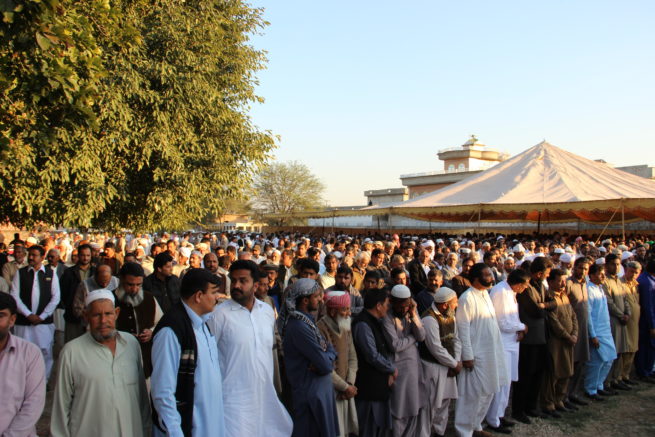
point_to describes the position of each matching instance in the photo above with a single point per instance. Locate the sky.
(364, 91)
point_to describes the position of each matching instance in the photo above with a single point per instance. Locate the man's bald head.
(103, 275)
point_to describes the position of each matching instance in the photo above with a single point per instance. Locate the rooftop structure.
(470, 158)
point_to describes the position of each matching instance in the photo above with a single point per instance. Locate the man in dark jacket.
(163, 284)
(533, 353)
(70, 280)
(376, 373)
(418, 270)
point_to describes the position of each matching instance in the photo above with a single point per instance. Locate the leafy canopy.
(127, 114)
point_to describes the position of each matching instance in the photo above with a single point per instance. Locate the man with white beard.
(483, 357)
(335, 327)
(440, 358)
(566, 264)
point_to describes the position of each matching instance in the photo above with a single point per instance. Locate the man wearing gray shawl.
(309, 361)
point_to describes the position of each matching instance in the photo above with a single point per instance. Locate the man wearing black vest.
(36, 291)
(376, 373)
(140, 311)
(187, 393)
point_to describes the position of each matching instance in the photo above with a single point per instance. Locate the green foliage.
(127, 114)
(284, 188)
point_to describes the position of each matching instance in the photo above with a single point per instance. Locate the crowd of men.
(239, 334)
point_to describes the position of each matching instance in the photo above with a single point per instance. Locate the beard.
(486, 284)
(343, 323)
(102, 338)
(132, 299)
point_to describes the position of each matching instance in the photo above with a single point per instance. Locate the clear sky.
(363, 91)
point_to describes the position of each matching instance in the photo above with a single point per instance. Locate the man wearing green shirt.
(101, 389)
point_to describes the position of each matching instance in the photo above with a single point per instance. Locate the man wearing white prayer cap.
(519, 253)
(101, 371)
(403, 327)
(566, 263)
(440, 359)
(184, 254)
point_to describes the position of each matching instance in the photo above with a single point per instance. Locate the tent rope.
(606, 225)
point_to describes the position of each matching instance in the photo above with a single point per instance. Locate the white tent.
(542, 184)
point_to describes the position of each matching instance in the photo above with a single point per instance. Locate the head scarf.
(302, 287)
(337, 299)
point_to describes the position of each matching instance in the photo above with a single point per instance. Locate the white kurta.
(42, 335)
(507, 314)
(481, 342)
(245, 342)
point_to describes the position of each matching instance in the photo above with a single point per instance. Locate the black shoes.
(608, 392)
(564, 409)
(535, 413)
(593, 397)
(630, 382)
(569, 406)
(552, 413)
(506, 422)
(500, 429)
(523, 418)
(577, 400)
(620, 386)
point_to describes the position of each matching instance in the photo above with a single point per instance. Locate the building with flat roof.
(470, 158)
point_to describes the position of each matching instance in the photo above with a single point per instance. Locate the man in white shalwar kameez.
(503, 296)
(244, 328)
(36, 291)
(440, 358)
(483, 357)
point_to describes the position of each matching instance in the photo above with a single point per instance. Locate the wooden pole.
(479, 218)
(623, 219)
(333, 222)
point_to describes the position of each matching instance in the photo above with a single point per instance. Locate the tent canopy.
(543, 183)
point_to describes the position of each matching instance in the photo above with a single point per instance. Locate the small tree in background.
(284, 188)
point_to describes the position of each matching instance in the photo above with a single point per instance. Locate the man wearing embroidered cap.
(404, 329)
(309, 361)
(440, 359)
(335, 327)
(101, 371)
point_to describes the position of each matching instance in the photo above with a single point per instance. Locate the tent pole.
(539, 224)
(623, 219)
(479, 218)
(333, 223)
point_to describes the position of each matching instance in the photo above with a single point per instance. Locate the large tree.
(283, 188)
(127, 114)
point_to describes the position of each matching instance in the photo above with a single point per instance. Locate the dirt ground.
(630, 414)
